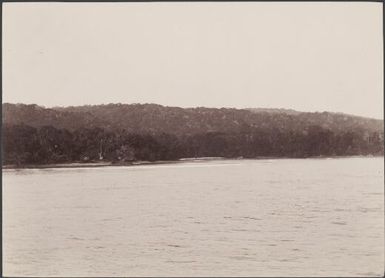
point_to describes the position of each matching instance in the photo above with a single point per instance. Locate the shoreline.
(181, 160)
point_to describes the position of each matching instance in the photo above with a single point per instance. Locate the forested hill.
(126, 132)
(152, 118)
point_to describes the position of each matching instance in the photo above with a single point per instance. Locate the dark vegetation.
(124, 133)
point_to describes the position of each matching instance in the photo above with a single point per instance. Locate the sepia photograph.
(192, 139)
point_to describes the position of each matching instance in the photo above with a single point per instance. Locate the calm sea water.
(284, 217)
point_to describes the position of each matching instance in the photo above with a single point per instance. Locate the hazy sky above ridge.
(304, 56)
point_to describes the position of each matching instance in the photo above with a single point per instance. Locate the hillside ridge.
(122, 133)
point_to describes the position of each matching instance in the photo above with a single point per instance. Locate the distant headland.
(129, 133)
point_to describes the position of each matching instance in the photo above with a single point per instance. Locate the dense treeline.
(154, 119)
(23, 144)
(122, 133)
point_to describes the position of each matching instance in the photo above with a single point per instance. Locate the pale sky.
(304, 56)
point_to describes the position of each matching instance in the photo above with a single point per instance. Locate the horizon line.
(195, 107)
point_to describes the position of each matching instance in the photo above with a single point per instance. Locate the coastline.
(181, 160)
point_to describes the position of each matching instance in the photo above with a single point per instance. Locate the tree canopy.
(122, 133)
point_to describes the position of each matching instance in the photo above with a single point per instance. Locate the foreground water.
(284, 217)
